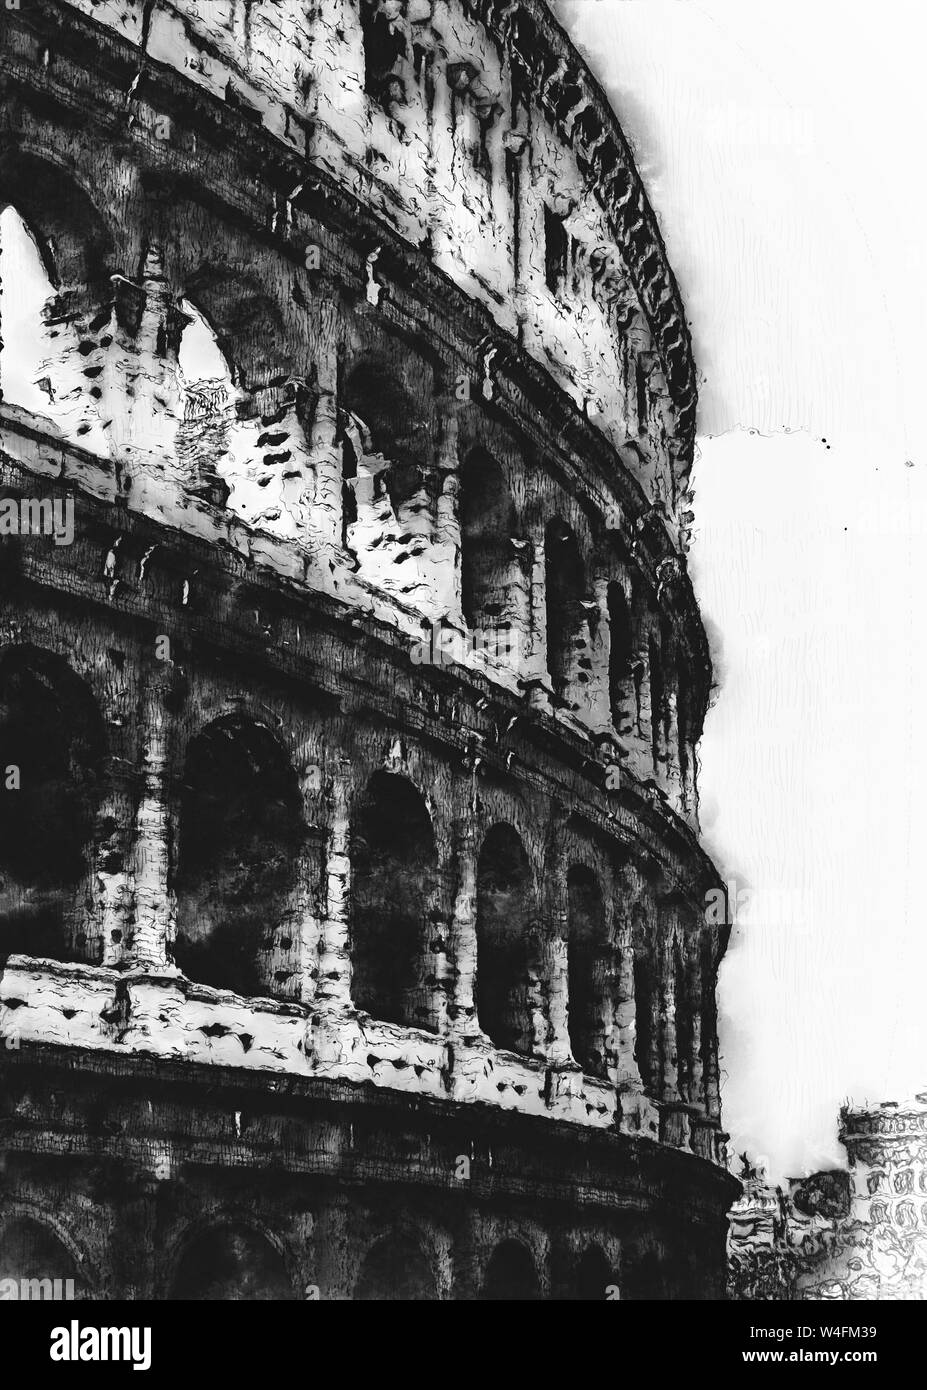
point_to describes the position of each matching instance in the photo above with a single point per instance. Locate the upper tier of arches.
(395, 474)
(474, 127)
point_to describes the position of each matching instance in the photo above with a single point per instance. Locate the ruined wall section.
(466, 149)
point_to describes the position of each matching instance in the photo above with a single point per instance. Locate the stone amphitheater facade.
(353, 939)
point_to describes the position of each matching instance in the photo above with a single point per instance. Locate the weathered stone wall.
(299, 796)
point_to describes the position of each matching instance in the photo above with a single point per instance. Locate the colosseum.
(353, 940)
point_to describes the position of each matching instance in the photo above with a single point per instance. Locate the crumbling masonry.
(352, 913)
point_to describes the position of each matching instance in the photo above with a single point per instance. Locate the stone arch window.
(386, 55)
(503, 922)
(52, 747)
(593, 1277)
(511, 1274)
(205, 434)
(588, 971)
(43, 366)
(395, 1269)
(489, 566)
(621, 689)
(394, 435)
(565, 581)
(394, 871)
(877, 1181)
(30, 1251)
(232, 1263)
(241, 831)
(556, 251)
(878, 1212)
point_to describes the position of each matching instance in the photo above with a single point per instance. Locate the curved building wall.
(357, 700)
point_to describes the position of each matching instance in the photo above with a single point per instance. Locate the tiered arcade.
(352, 915)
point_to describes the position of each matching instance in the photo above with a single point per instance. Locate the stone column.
(334, 983)
(462, 1018)
(669, 1057)
(307, 921)
(712, 1070)
(534, 667)
(111, 884)
(636, 1113)
(674, 1117)
(324, 448)
(155, 907)
(554, 952)
(598, 692)
(447, 520)
(696, 1004)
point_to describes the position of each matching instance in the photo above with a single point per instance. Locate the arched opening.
(588, 971)
(511, 1275)
(43, 368)
(56, 258)
(565, 581)
(207, 433)
(234, 1264)
(394, 866)
(503, 922)
(52, 746)
(620, 659)
(593, 1277)
(32, 1255)
(489, 567)
(241, 830)
(395, 1270)
(385, 51)
(397, 430)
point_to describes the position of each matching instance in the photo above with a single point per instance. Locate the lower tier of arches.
(152, 1183)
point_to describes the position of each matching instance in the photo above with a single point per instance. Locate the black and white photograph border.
(419, 811)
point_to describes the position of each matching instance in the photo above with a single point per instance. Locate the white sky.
(782, 145)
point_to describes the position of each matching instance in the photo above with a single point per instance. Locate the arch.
(588, 967)
(246, 321)
(593, 1278)
(394, 868)
(44, 368)
(209, 434)
(52, 746)
(489, 568)
(74, 241)
(565, 588)
(241, 830)
(396, 427)
(231, 1262)
(31, 1251)
(395, 1269)
(504, 918)
(511, 1275)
